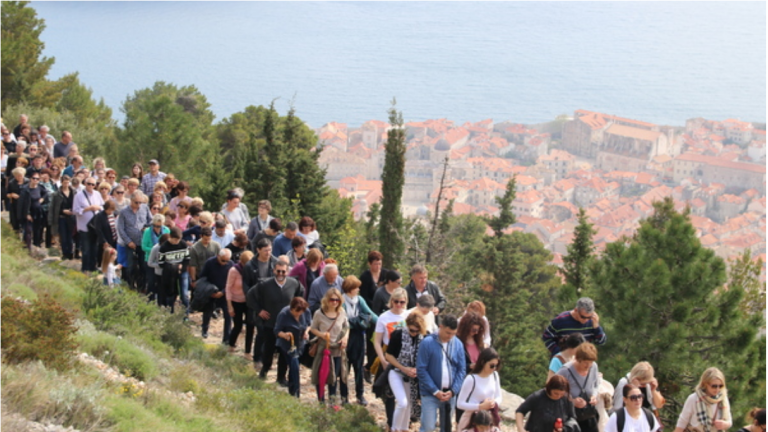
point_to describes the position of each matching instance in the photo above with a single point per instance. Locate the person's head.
(481, 421)
(45, 175)
(314, 257)
(90, 184)
(642, 372)
(19, 173)
(109, 206)
(298, 306)
(448, 326)
(224, 256)
(299, 245)
(158, 197)
(158, 221)
(104, 188)
(99, 163)
(206, 219)
(398, 300)
(557, 387)
(471, 328)
(290, 230)
(20, 146)
(66, 137)
(351, 286)
(65, 181)
(280, 271)
(182, 207)
(240, 240)
(182, 188)
(415, 324)
(585, 355)
(160, 187)
(306, 225)
(712, 381)
(633, 396)
(275, 224)
(170, 217)
(221, 227)
(163, 238)
(154, 166)
(133, 185)
(331, 300)
(206, 235)
(111, 175)
(137, 199)
(22, 162)
(118, 192)
(477, 307)
(175, 235)
(758, 418)
(374, 261)
(109, 256)
(23, 119)
(170, 181)
(245, 257)
(264, 249)
(331, 272)
(419, 277)
(34, 180)
(487, 362)
(74, 151)
(233, 199)
(572, 342)
(264, 207)
(583, 310)
(137, 170)
(393, 280)
(77, 161)
(425, 303)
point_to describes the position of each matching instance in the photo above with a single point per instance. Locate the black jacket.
(268, 295)
(432, 289)
(251, 272)
(25, 201)
(103, 230)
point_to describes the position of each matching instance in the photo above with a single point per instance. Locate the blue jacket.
(429, 365)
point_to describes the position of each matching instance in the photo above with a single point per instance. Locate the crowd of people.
(275, 278)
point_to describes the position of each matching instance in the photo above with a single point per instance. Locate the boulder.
(509, 404)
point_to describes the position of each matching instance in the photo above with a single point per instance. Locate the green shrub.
(126, 356)
(38, 330)
(121, 311)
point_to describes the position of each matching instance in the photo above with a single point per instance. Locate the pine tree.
(506, 217)
(393, 179)
(662, 299)
(576, 264)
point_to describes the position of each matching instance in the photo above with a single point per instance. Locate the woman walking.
(360, 317)
(402, 351)
(481, 390)
(707, 409)
(331, 328)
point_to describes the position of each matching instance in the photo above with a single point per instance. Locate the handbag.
(313, 348)
(589, 411)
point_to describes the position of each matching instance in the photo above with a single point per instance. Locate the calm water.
(525, 62)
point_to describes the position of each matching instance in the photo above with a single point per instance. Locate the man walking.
(582, 319)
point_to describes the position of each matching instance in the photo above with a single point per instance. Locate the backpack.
(319, 246)
(621, 418)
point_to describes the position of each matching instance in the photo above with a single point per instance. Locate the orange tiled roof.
(715, 161)
(630, 132)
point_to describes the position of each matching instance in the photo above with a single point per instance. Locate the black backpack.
(621, 418)
(319, 246)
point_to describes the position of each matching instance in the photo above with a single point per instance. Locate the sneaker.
(361, 401)
(205, 335)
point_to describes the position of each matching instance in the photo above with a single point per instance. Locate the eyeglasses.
(334, 300)
(90, 184)
(493, 365)
(155, 209)
(398, 301)
(282, 272)
(138, 202)
(35, 178)
(717, 386)
(119, 192)
(635, 398)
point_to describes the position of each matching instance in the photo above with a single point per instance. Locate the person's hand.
(654, 384)
(179, 267)
(306, 335)
(217, 295)
(487, 404)
(579, 403)
(384, 363)
(193, 283)
(264, 314)
(720, 425)
(327, 337)
(232, 313)
(285, 336)
(593, 400)
(132, 245)
(106, 245)
(67, 212)
(595, 320)
(436, 311)
(29, 218)
(344, 343)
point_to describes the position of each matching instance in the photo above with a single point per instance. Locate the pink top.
(234, 288)
(472, 350)
(182, 223)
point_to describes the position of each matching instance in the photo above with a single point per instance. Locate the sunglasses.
(635, 398)
(35, 178)
(585, 317)
(155, 209)
(413, 330)
(398, 301)
(90, 184)
(493, 365)
(335, 300)
(717, 386)
(181, 206)
(105, 188)
(119, 192)
(138, 202)
(282, 272)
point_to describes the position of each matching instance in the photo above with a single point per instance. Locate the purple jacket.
(299, 271)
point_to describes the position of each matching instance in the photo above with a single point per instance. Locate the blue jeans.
(65, 237)
(430, 406)
(88, 250)
(184, 284)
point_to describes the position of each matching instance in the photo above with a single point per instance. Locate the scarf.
(352, 305)
(703, 402)
(409, 350)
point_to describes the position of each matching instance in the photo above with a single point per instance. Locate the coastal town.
(613, 167)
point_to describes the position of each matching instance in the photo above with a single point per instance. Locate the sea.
(526, 62)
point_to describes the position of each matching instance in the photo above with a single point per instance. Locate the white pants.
(402, 392)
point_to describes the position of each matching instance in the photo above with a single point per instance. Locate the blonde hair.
(350, 283)
(642, 371)
(245, 257)
(105, 185)
(398, 294)
(325, 302)
(314, 256)
(106, 258)
(710, 375)
(415, 318)
(197, 201)
(586, 352)
(206, 217)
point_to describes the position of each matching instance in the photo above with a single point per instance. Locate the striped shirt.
(564, 325)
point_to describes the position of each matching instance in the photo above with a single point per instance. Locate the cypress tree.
(576, 264)
(506, 217)
(662, 299)
(393, 178)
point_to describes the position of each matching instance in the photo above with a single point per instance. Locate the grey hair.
(158, 219)
(225, 253)
(139, 196)
(426, 300)
(44, 127)
(23, 145)
(49, 138)
(330, 267)
(586, 304)
(239, 191)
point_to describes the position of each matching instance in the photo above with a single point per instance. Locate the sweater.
(545, 411)
(234, 288)
(270, 296)
(564, 325)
